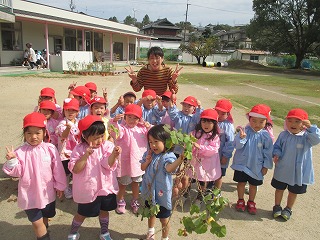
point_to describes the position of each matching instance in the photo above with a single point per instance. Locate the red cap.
(149, 92)
(35, 119)
(297, 113)
(191, 101)
(71, 103)
(133, 109)
(261, 111)
(98, 100)
(209, 114)
(223, 105)
(82, 91)
(87, 121)
(47, 104)
(47, 92)
(167, 94)
(91, 86)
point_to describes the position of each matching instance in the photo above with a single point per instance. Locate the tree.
(188, 26)
(146, 20)
(290, 26)
(129, 20)
(200, 47)
(113, 19)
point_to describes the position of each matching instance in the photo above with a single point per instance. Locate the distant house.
(58, 30)
(234, 39)
(250, 55)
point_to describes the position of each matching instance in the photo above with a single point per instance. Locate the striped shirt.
(159, 81)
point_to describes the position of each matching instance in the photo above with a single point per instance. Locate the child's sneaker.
(135, 206)
(121, 208)
(105, 236)
(74, 236)
(251, 207)
(241, 205)
(277, 209)
(150, 236)
(286, 213)
(68, 193)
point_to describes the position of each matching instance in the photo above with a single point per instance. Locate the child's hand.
(306, 123)
(117, 150)
(131, 74)
(89, 150)
(10, 153)
(159, 100)
(105, 94)
(149, 157)
(59, 194)
(242, 133)
(118, 117)
(264, 171)
(72, 86)
(223, 160)
(275, 159)
(196, 145)
(199, 103)
(121, 100)
(176, 73)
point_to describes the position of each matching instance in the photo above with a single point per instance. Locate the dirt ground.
(19, 96)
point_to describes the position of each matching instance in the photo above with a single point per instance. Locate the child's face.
(294, 125)
(42, 98)
(46, 112)
(96, 140)
(128, 100)
(131, 120)
(70, 114)
(222, 115)
(187, 108)
(206, 125)
(156, 145)
(165, 102)
(257, 123)
(34, 135)
(82, 102)
(155, 62)
(93, 93)
(149, 103)
(98, 109)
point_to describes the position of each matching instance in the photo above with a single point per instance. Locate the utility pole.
(185, 22)
(134, 14)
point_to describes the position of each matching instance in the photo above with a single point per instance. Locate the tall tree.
(200, 47)
(188, 26)
(113, 19)
(146, 20)
(290, 26)
(129, 20)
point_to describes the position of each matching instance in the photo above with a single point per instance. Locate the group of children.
(104, 155)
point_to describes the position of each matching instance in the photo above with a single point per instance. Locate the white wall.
(60, 63)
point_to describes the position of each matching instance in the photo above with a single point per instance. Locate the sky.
(200, 13)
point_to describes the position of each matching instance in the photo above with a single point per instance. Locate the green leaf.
(194, 209)
(180, 136)
(187, 139)
(189, 146)
(201, 229)
(166, 127)
(188, 224)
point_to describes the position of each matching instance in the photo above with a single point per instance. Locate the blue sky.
(232, 12)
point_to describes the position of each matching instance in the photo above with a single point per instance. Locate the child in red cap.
(83, 95)
(152, 109)
(49, 95)
(226, 135)
(132, 138)
(47, 108)
(253, 156)
(165, 101)
(68, 136)
(292, 155)
(38, 166)
(205, 154)
(93, 163)
(123, 101)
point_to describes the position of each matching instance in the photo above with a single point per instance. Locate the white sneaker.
(68, 193)
(75, 236)
(105, 236)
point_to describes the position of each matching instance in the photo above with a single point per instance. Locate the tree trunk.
(198, 59)
(299, 58)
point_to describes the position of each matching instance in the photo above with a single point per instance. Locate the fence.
(290, 60)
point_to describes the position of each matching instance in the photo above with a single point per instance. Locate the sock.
(104, 223)
(75, 226)
(166, 238)
(44, 237)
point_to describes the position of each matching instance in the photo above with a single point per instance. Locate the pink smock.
(40, 174)
(206, 160)
(97, 178)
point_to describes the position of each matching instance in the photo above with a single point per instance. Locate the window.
(254, 58)
(98, 42)
(70, 39)
(11, 36)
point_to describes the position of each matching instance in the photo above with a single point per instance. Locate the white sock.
(151, 230)
(166, 238)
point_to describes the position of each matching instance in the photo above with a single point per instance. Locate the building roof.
(42, 13)
(161, 23)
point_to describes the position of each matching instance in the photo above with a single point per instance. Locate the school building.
(58, 30)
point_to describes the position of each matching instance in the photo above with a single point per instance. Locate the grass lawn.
(292, 86)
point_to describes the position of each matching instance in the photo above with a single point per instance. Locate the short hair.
(96, 128)
(157, 51)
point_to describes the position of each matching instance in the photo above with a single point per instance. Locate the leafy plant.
(147, 212)
(200, 221)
